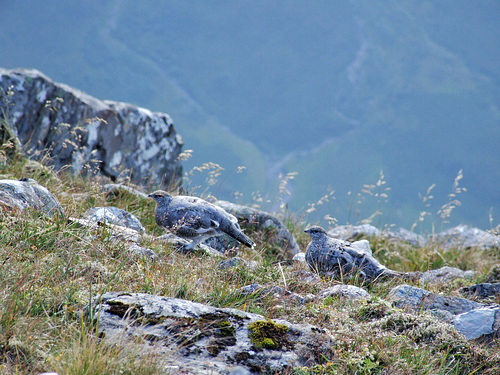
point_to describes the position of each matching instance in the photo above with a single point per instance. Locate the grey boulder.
(410, 297)
(444, 275)
(472, 319)
(482, 323)
(19, 195)
(199, 339)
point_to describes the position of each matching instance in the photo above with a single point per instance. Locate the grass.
(51, 269)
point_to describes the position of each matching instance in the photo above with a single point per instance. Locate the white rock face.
(92, 136)
(196, 338)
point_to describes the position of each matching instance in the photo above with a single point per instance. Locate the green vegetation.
(52, 268)
(268, 334)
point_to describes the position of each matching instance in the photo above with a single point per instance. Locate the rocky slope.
(69, 128)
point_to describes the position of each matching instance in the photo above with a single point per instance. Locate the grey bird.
(196, 219)
(322, 253)
(326, 254)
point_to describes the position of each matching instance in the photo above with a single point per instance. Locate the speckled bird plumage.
(196, 219)
(321, 250)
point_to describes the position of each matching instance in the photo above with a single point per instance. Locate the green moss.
(267, 334)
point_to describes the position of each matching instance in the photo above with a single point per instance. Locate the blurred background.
(369, 103)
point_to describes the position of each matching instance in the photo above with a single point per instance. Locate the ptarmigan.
(322, 253)
(325, 254)
(196, 219)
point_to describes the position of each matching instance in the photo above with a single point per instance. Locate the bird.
(324, 253)
(328, 255)
(196, 219)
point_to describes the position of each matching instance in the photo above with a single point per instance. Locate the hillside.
(336, 91)
(84, 295)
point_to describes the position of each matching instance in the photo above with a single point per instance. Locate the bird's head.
(315, 231)
(160, 196)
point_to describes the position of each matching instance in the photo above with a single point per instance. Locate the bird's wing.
(191, 219)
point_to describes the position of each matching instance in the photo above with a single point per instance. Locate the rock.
(129, 237)
(8, 134)
(260, 220)
(299, 257)
(114, 215)
(481, 323)
(362, 246)
(90, 135)
(224, 244)
(240, 371)
(27, 193)
(180, 244)
(404, 235)
(195, 338)
(344, 291)
(118, 232)
(464, 237)
(417, 299)
(236, 262)
(141, 251)
(444, 275)
(352, 232)
(481, 291)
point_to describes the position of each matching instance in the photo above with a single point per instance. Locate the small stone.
(114, 215)
(444, 275)
(299, 257)
(478, 322)
(344, 291)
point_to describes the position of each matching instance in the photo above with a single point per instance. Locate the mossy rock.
(267, 334)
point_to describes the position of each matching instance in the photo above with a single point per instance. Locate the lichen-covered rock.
(237, 262)
(19, 195)
(129, 237)
(90, 135)
(351, 292)
(117, 232)
(306, 276)
(406, 296)
(180, 244)
(260, 220)
(404, 235)
(114, 215)
(199, 339)
(473, 319)
(444, 275)
(464, 237)
(353, 232)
